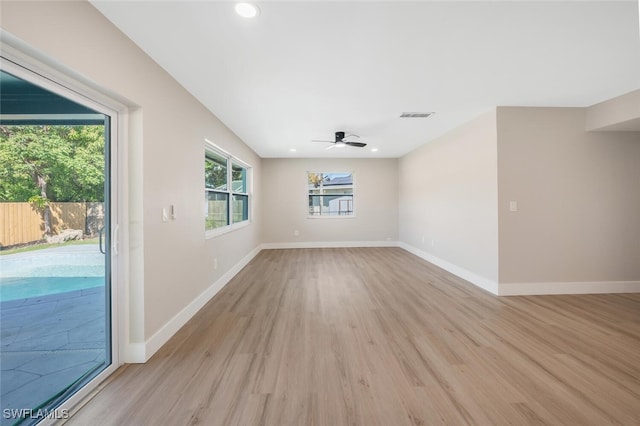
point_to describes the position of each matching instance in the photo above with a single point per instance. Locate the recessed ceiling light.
(292, 149)
(374, 149)
(247, 10)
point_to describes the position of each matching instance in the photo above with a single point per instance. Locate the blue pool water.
(27, 287)
(50, 271)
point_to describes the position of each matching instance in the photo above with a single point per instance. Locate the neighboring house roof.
(236, 186)
(341, 180)
(338, 181)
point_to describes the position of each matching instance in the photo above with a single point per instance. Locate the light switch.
(513, 206)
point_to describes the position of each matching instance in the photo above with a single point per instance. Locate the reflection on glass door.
(54, 250)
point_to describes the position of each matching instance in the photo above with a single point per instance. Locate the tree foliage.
(215, 172)
(317, 179)
(51, 163)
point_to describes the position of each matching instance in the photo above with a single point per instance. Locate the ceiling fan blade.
(340, 141)
(357, 144)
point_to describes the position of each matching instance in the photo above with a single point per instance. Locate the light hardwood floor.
(377, 336)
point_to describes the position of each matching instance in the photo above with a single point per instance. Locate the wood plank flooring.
(377, 336)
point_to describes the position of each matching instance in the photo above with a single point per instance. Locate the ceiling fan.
(340, 141)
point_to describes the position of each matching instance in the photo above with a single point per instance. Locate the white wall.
(448, 201)
(578, 196)
(171, 261)
(285, 206)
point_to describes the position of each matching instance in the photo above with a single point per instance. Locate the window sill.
(212, 233)
(352, 216)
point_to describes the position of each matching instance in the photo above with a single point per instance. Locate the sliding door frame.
(17, 60)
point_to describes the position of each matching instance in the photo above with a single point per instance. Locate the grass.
(35, 247)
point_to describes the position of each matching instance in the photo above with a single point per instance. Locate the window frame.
(353, 196)
(231, 161)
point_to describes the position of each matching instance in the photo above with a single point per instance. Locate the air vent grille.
(416, 114)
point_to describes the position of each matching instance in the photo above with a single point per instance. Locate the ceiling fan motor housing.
(339, 136)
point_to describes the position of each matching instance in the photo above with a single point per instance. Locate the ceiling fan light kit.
(340, 142)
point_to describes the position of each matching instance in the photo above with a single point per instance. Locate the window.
(330, 194)
(239, 192)
(226, 189)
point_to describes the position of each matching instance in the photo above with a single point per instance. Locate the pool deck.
(48, 342)
(72, 248)
(80, 254)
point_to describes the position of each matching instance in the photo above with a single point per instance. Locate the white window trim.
(232, 159)
(353, 186)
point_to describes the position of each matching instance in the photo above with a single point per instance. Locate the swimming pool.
(44, 272)
(25, 288)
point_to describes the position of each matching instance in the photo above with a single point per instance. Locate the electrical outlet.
(296, 233)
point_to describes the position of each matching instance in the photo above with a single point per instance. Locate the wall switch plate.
(296, 233)
(165, 216)
(513, 206)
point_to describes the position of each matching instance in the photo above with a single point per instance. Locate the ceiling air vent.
(416, 114)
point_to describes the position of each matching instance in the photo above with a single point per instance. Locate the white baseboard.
(141, 352)
(473, 278)
(583, 287)
(329, 244)
(135, 353)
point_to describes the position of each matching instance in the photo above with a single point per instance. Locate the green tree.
(41, 164)
(215, 172)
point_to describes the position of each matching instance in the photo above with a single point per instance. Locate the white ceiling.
(303, 70)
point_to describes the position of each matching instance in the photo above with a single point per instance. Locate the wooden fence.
(22, 223)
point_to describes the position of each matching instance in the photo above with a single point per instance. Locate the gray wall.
(577, 224)
(620, 113)
(448, 198)
(578, 196)
(284, 183)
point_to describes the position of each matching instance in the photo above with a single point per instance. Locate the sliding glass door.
(56, 226)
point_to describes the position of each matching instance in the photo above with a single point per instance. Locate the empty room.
(319, 212)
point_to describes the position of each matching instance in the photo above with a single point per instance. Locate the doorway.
(57, 251)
